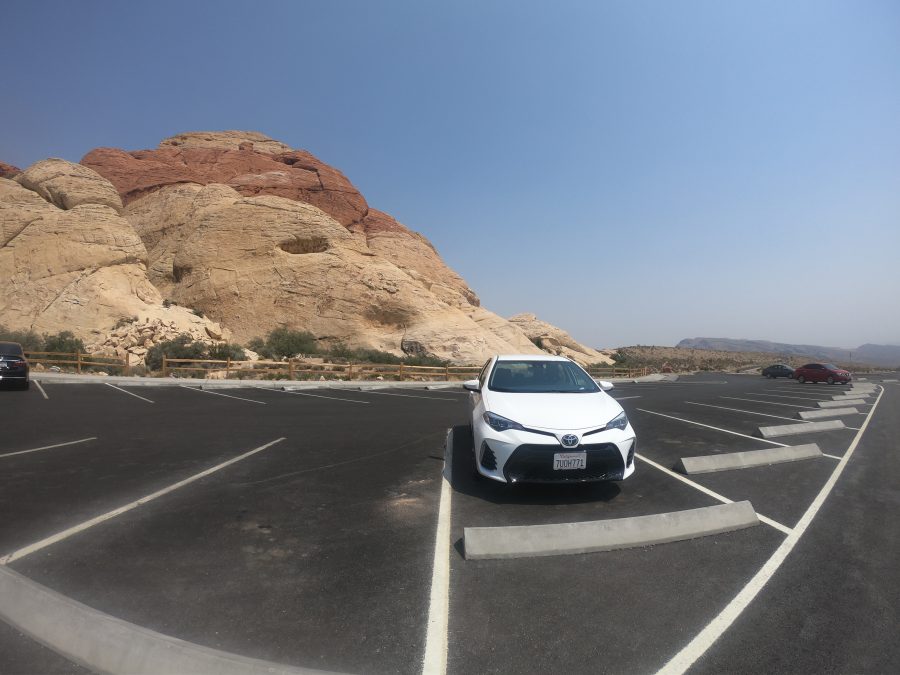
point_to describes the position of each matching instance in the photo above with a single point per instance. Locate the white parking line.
(749, 412)
(435, 660)
(798, 398)
(48, 447)
(624, 398)
(330, 398)
(384, 393)
(65, 534)
(215, 393)
(43, 393)
(127, 392)
(727, 431)
(789, 405)
(831, 456)
(715, 495)
(714, 630)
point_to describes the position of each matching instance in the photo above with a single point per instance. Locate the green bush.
(64, 341)
(225, 350)
(29, 340)
(182, 347)
(284, 342)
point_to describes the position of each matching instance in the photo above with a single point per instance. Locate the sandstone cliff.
(556, 341)
(79, 266)
(250, 232)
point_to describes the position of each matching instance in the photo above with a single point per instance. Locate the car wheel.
(801, 379)
(25, 385)
(830, 380)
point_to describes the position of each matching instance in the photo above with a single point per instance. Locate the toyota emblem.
(569, 440)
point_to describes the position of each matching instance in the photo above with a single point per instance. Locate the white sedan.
(543, 419)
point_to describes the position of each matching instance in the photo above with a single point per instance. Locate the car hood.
(554, 411)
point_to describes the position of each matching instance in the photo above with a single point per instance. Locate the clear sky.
(634, 172)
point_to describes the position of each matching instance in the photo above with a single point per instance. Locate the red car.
(822, 372)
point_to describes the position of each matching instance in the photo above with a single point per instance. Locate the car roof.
(530, 357)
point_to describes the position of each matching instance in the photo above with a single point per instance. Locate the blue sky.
(634, 172)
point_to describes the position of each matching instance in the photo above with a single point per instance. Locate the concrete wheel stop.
(525, 541)
(106, 644)
(748, 459)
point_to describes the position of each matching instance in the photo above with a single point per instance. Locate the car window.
(11, 349)
(532, 377)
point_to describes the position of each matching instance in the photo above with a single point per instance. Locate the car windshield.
(537, 377)
(831, 366)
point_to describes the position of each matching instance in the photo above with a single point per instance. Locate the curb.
(842, 403)
(747, 459)
(525, 541)
(828, 412)
(791, 429)
(106, 644)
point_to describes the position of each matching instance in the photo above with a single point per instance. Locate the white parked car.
(543, 419)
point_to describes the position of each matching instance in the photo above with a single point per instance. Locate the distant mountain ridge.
(876, 355)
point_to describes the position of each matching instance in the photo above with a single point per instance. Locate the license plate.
(568, 461)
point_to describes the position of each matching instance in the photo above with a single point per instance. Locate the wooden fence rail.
(295, 367)
(80, 360)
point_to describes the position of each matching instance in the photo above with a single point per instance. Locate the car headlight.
(500, 423)
(620, 421)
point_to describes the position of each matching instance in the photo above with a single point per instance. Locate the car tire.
(25, 385)
(830, 380)
(801, 379)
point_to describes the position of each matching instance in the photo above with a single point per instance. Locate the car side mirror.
(472, 385)
(605, 386)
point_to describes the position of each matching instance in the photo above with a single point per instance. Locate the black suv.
(778, 370)
(13, 365)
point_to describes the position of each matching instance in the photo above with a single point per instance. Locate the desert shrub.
(284, 342)
(64, 341)
(225, 350)
(29, 340)
(182, 347)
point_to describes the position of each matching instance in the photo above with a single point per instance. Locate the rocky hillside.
(244, 230)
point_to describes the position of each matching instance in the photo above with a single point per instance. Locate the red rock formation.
(255, 165)
(8, 170)
(295, 175)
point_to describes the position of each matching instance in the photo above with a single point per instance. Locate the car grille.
(534, 464)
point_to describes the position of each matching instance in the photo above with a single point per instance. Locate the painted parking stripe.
(434, 661)
(798, 398)
(127, 392)
(727, 431)
(330, 398)
(43, 393)
(384, 393)
(715, 495)
(721, 623)
(48, 447)
(65, 534)
(754, 400)
(749, 412)
(831, 456)
(215, 393)
(624, 398)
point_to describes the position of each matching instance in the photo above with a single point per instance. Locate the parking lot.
(299, 527)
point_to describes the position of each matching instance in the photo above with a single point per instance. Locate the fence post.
(78, 354)
(127, 363)
(447, 373)
(290, 369)
(228, 367)
(401, 372)
(350, 372)
(165, 366)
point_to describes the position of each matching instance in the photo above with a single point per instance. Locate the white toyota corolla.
(543, 419)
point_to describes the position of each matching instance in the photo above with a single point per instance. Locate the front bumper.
(527, 457)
